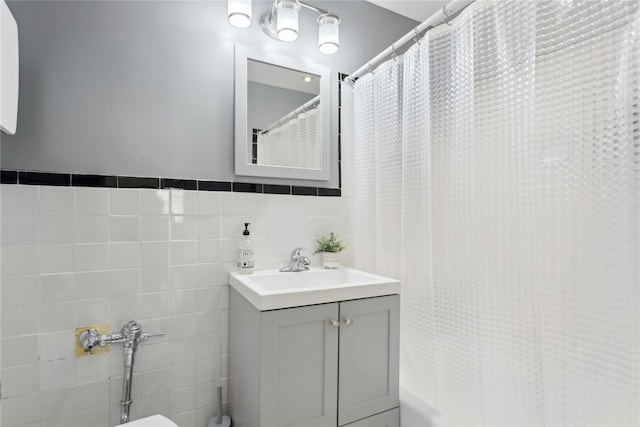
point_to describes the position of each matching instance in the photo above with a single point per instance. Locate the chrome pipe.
(127, 380)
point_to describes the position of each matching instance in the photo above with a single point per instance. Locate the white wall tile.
(21, 350)
(92, 201)
(92, 368)
(125, 202)
(209, 203)
(92, 257)
(184, 202)
(56, 258)
(91, 311)
(209, 275)
(124, 282)
(57, 345)
(57, 201)
(183, 277)
(124, 228)
(157, 404)
(152, 354)
(56, 229)
(19, 290)
(230, 250)
(155, 382)
(209, 252)
(183, 227)
(182, 351)
(19, 260)
(206, 394)
(183, 326)
(183, 375)
(155, 279)
(57, 374)
(19, 320)
(206, 299)
(92, 284)
(155, 202)
(233, 204)
(155, 228)
(208, 227)
(183, 400)
(124, 255)
(208, 322)
(155, 254)
(20, 380)
(57, 317)
(20, 410)
(92, 395)
(56, 403)
(57, 287)
(92, 229)
(154, 305)
(19, 199)
(207, 370)
(19, 230)
(183, 252)
(183, 301)
(204, 414)
(208, 346)
(124, 308)
(231, 227)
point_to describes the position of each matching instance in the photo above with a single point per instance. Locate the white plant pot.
(330, 259)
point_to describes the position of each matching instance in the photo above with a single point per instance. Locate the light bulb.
(239, 13)
(287, 20)
(328, 33)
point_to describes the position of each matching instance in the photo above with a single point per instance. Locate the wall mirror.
(282, 116)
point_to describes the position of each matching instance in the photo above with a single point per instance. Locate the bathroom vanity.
(332, 362)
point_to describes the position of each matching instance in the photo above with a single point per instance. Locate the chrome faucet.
(298, 262)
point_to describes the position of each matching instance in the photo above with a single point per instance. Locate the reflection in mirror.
(282, 117)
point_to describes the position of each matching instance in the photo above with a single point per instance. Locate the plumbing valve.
(131, 334)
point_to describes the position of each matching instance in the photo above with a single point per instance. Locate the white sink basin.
(271, 289)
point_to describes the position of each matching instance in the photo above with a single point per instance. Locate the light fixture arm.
(314, 8)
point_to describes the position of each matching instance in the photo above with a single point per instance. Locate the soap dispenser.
(245, 252)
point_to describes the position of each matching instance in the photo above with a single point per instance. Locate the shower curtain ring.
(447, 16)
(393, 53)
(370, 69)
(416, 39)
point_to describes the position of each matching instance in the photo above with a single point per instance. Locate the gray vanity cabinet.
(321, 365)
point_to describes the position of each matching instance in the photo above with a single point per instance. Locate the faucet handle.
(297, 252)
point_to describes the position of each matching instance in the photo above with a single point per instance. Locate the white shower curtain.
(495, 170)
(293, 144)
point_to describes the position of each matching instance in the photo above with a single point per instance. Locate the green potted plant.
(330, 246)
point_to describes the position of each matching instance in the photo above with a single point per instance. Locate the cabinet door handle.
(334, 323)
(348, 321)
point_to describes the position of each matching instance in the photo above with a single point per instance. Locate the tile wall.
(76, 256)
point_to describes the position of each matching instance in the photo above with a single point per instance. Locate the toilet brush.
(220, 420)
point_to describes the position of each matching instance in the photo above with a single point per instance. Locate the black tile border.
(44, 178)
(304, 191)
(112, 181)
(214, 186)
(108, 181)
(183, 184)
(276, 189)
(8, 177)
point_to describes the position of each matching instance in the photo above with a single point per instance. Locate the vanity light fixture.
(239, 13)
(281, 23)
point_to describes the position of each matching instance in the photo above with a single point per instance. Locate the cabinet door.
(368, 359)
(299, 366)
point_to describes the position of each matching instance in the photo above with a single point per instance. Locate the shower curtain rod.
(441, 16)
(292, 114)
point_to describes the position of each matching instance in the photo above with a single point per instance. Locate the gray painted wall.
(145, 88)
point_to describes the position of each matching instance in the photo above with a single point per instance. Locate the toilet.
(152, 421)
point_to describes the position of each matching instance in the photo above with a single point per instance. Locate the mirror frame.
(242, 166)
